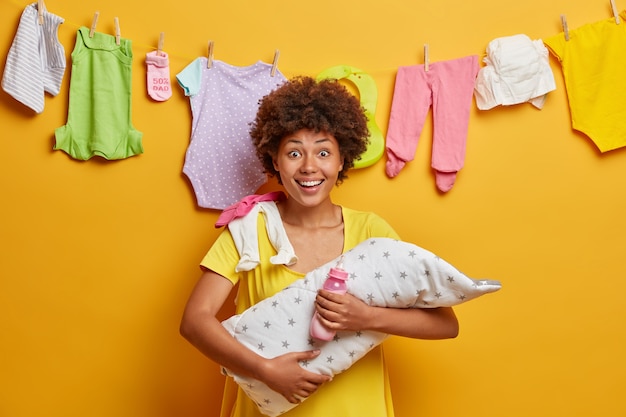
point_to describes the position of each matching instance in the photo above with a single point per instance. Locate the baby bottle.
(335, 282)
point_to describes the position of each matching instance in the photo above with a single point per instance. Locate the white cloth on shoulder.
(244, 233)
(384, 272)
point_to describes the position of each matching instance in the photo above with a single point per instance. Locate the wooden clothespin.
(117, 31)
(615, 13)
(209, 62)
(94, 22)
(160, 45)
(275, 63)
(565, 29)
(40, 8)
(426, 58)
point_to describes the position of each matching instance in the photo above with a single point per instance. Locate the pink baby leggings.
(448, 87)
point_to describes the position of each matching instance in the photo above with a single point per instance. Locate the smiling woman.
(324, 106)
(307, 134)
(99, 257)
(307, 162)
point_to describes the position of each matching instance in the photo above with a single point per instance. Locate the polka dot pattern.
(220, 161)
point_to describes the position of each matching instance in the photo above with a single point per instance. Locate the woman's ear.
(275, 163)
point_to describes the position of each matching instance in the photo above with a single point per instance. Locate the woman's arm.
(202, 329)
(346, 312)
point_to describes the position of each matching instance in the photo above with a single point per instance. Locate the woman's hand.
(342, 311)
(284, 375)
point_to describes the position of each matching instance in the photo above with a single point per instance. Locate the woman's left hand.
(342, 311)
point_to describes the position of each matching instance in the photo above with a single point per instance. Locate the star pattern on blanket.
(382, 272)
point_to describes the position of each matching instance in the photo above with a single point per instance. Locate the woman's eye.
(324, 153)
(294, 154)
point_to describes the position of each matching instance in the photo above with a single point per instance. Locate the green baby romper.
(99, 115)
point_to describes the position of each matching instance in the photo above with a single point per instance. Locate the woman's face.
(308, 163)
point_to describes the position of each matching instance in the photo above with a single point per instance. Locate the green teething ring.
(368, 94)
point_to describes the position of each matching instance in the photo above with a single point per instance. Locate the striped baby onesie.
(36, 60)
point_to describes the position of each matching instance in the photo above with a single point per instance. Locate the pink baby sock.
(445, 180)
(394, 165)
(158, 70)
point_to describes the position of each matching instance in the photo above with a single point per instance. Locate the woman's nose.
(309, 164)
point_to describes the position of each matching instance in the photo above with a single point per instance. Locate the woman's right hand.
(284, 375)
(201, 327)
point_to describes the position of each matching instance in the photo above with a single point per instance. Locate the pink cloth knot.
(243, 206)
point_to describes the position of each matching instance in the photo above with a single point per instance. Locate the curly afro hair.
(320, 106)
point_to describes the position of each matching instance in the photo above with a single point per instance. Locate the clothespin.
(117, 31)
(160, 46)
(209, 62)
(426, 58)
(40, 8)
(275, 63)
(565, 29)
(94, 22)
(615, 13)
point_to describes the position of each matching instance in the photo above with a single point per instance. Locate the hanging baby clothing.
(158, 75)
(36, 60)
(221, 161)
(517, 71)
(99, 115)
(448, 87)
(593, 61)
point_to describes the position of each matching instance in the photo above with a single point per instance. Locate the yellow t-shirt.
(362, 390)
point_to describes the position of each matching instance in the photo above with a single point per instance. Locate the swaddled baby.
(384, 272)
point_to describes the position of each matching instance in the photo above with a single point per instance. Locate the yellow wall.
(98, 257)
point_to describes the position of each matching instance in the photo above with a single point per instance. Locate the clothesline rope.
(186, 58)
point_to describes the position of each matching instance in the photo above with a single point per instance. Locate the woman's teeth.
(309, 183)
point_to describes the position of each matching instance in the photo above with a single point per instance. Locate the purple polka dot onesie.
(221, 162)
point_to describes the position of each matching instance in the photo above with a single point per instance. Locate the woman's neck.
(316, 233)
(323, 215)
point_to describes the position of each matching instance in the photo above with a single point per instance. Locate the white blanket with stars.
(384, 272)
